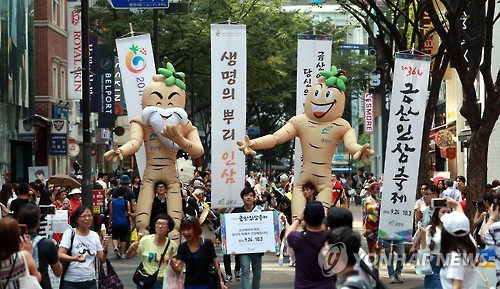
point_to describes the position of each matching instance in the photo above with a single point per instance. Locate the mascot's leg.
(144, 205)
(174, 209)
(298, 201)
(325, 196)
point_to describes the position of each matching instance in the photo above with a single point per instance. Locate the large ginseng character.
(164, 128)
(320, 128)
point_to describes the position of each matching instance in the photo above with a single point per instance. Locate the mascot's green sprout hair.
(334, 77)
(173, 78)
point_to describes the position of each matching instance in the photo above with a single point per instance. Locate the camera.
(477, 203)
(438, 203)
(47, 210)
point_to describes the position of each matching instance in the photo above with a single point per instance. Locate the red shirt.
(337, 189)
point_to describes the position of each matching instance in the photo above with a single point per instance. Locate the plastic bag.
(423, 266)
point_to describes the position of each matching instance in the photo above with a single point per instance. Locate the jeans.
(158, 285)
(399, 247)
(433, 281)
(256, 260)
(80, 285)
(227, 264)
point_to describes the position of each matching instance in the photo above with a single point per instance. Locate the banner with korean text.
(137, 67)
(255, 232)
(314, 54)
(229, 78)
(75, 53)
(404, 138)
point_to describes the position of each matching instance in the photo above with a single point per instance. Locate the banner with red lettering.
(229, 63)
(74, 51)
(314, 54)
(404, 139)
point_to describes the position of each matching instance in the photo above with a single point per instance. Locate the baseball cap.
(456, 223)
(314, 211)
(337, 217)
(125, 179)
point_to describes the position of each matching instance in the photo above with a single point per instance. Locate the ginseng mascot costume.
(164, 128)
(320, 128)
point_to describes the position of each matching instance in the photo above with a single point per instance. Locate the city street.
(274, 276)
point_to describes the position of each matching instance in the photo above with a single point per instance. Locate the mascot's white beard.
(159, 117)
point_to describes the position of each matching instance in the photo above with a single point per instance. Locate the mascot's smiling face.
(324, 103)
(159, 94)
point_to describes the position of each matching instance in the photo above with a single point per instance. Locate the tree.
(470, 50)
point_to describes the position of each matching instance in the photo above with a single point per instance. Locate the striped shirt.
(492, 238)
(15, 264)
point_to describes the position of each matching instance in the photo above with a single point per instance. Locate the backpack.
(35, 248)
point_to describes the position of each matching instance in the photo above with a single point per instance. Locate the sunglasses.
(189, 218)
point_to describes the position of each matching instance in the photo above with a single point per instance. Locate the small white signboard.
(255, 232)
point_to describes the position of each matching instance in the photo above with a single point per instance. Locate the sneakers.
(228, 278)
(117, 252)
(399, 279)
(393, 279)
(237, 275)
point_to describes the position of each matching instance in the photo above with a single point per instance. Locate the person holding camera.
(481, 217)
(490, 233)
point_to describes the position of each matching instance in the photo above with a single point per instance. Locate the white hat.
(75, 191)
(283, 178)
(456, 223)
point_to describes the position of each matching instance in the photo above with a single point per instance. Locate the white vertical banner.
(137, 67)
(75, 52)
(314, 54)
(229, 77)
(404, 139)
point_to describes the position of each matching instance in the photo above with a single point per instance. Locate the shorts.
(120, 232)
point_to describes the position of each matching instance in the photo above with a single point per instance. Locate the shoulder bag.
(28, 281)
(65, 265)
(142, 278)
(109, 279)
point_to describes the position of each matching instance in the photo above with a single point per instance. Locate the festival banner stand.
(404, 138)
(314, 53)
(229, 65)
(255, 232)
(137, 66)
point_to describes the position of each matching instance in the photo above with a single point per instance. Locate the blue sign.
(142, 4)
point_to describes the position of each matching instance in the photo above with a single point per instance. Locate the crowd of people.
(441, 231)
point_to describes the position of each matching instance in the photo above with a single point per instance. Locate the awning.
(37, 120)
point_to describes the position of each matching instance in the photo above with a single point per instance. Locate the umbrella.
(64, 180)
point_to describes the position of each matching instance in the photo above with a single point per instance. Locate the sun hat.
(75, 191)
(456, 223)
(125, 179)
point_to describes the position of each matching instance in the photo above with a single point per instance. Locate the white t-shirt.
(436, 238)
(102, 183)
(455, 270)
(82, 245)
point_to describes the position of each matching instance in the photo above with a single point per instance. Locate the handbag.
(142, 278)
(423, 266)
(172, 280)
(28, 281)
(65, 265)
(215, 281)
(109, 279)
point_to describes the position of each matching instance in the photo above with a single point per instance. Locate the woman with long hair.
(15, 255)
(432, 240)
(197, 254)
(80, 247)
(441, 186)
(155, 248)
(458, 249)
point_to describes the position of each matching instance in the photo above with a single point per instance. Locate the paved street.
(274, 276)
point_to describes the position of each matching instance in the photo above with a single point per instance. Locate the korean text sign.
(229, 62)
(314, 54)
(404, 137)
(255, 232)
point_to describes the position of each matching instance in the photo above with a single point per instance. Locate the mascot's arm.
(136, 138)
(186, 138)
(356, 150)
(286, 133)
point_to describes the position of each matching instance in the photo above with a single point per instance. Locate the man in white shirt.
(250, 179)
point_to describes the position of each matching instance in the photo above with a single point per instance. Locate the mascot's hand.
(174, 133)
(365, 153)
(114, 154)
(245, 146)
